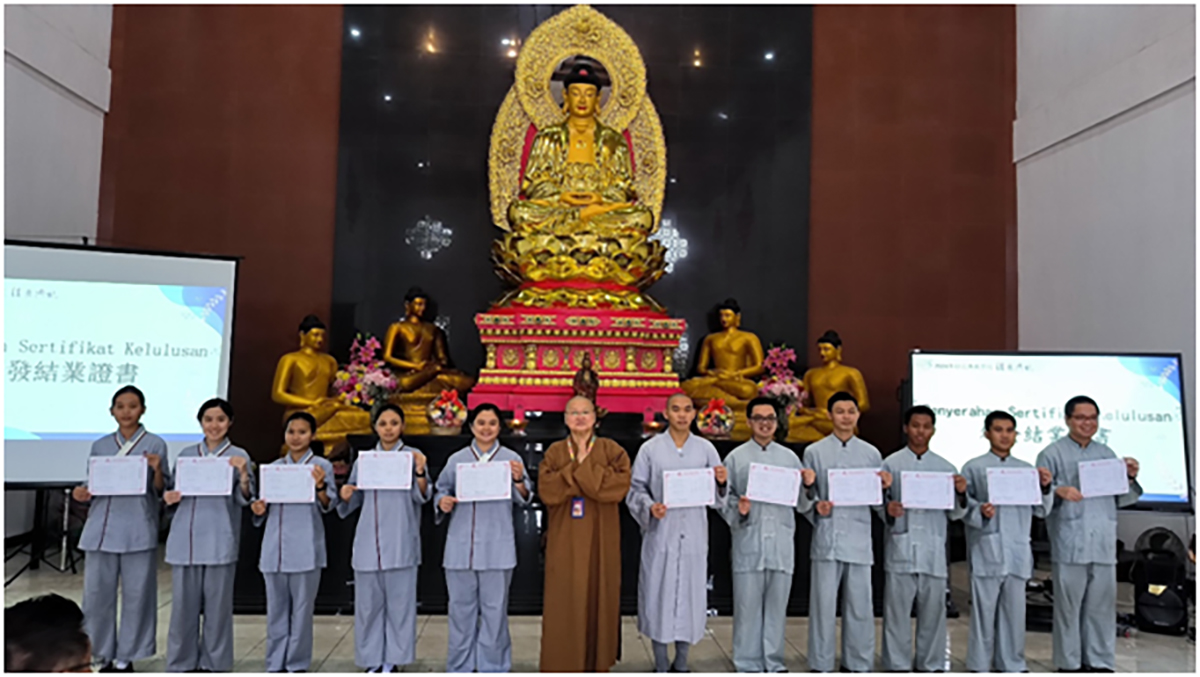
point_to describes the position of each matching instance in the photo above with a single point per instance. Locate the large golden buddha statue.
(303, 381)
(415, 349)
(820, 383)
(577, 183)
(729, 362)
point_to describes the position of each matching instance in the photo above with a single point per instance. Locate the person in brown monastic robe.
(582, 480)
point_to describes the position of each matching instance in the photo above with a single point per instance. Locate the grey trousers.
(478, 620)
(858, 616)
(1085, 616)
(137, 574)
(997, 636)
(290, 600)
(759, 618)
(385, 617)
(899, 593)
(201, 590)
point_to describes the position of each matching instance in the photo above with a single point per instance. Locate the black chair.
(1159, 577)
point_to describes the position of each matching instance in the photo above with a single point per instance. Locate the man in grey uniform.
(1000, 555)
(915, 554)
(764, 547)
(1083, 545)
(672, 599)
(841, 545)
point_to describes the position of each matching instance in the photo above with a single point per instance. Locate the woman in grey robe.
(202, 550)
(293, 553)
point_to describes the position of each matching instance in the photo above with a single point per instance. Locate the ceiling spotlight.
(354, 33)
(672, 179)
(696, 63)
(769, 56)
(512, 54)
(506, 42)
(387, 97)
(429, 47)
(722, 115)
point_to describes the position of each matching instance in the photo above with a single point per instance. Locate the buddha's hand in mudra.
(580, 198)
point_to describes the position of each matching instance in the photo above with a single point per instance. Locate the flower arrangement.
(781, 382)
(716, 419)
(365, 381)
(447, 411)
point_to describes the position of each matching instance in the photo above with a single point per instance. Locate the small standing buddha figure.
(730, 360)
(302, 383)
(820, 383)
(416, 351)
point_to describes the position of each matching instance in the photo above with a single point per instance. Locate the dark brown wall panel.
(222, 138)
(913, 220)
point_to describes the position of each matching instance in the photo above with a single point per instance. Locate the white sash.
(482, 457)
(204, 445)
(307, 457)
(132, 442)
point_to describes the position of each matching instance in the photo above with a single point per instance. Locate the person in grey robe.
(293, 553)
(120, 538)
(202, 550)
(841, 552)
(672, 595)
(764, 547)
(999, 554)
(1083, 545)
(387, 552)
(481, 552)
(915, 554)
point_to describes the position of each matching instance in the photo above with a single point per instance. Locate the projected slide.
(1141, 411)
(68, 345)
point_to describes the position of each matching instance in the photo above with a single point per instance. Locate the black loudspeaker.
(1160, 587)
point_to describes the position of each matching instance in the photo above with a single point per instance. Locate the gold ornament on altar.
(303, 382)
(820, 383)
(415, 349)
(730, 361)
(578, 185)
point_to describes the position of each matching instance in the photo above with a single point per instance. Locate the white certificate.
(287, 484)
(1014, 486)
(689, 488)
(773, 484)
(203, 476)
(117, 475)
(385, 470)
(855, 486)
(1103, 478)
(927, 490)
(490, 481)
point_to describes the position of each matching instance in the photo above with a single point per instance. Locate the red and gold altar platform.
(534, 353)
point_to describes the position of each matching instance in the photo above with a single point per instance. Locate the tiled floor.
(333, 649)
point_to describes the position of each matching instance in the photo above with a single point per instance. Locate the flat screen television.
(1140, 396)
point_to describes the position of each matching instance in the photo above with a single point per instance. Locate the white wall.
(56, 94)
(1104, 145)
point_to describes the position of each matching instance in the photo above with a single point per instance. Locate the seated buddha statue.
(820, 383)
(730, 360)
(415, 349)
(302, 383)
(577, 215)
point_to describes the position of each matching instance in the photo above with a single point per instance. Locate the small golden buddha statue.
(415, 349)
(810, 424)
(302, 383)
(578, 216)
(736, 359)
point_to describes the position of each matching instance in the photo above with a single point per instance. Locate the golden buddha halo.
(578, 31)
